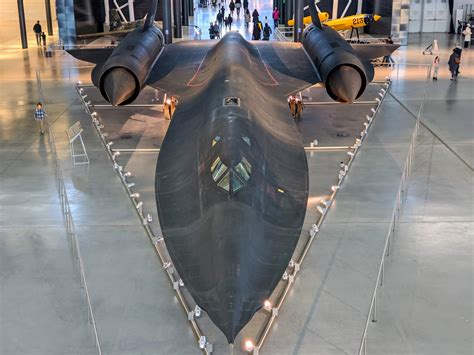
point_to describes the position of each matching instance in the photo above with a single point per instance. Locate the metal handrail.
(372, 313)
(70, 229)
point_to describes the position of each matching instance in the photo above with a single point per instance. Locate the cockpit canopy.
(231, 178)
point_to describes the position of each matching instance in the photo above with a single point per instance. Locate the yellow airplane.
(352, 23)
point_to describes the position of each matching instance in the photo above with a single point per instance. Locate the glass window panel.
(242, 171)
(216, 140)
(246, 140)
(237, 184)
(214, 164)
(220, 170)
(247, 165)
(224, 183)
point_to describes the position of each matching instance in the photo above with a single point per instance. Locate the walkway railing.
(70, 229)
(401, 193)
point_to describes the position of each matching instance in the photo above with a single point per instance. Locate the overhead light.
(249, 346)
(197, 311)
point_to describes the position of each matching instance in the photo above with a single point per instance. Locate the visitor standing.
(247, 18)
(255, 16)
(238, 5)
(435, 67)
(276, 17)
(256, 33)
(37, 29)
(267, 31)
(453, 63)
(229, 22)
(231, 8)
(40, 116)
(467, 36)
(246, 4)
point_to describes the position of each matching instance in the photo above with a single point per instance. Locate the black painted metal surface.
(232, 177)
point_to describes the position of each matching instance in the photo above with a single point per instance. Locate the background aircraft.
(232, 176)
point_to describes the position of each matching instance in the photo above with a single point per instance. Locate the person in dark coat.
(212, 35)
(453, 63)
(238, 5)
(255, 16)
(229, 22)
(37, 30)
(246, 4)
(232, 7)
(219, 18)
(222, 11)
(267, 31)
(256, 33)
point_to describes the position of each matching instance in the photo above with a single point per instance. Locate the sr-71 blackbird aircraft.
(232, 176)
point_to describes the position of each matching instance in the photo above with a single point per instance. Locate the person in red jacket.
(276, 17)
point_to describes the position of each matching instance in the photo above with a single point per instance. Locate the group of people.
(260, 31)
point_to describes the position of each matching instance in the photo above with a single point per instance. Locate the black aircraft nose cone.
(119, 86)
(345, 83)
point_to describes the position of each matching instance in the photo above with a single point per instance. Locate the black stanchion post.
(298, 15)
(177, 19)
(167, 21)
(21, 19)
(185, 6)
(49, 21)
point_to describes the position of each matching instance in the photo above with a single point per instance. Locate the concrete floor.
(425, 307)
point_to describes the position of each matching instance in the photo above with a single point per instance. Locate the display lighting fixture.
(321, 209)
(366, 125)
(100, 126)
(351, 154)
(83, 96)
(130, 185)
(291, 263)
(127, 174)
(157, 240)
(139, 205)
(383, 90)
(381, 93)
(197, 311)
(94, 114)
(267, 305)
(378, 100)
(135, 195)
(249, 346)
(88, 103)
(118, 167)
(81, 90)
(78, 82)
(369, 118)
(202, 342)
(334, 188)
(109, 144)
(149, 218)
(326, 203)
(315, 227)
(373, 110)
(167, 265)
(115, 155)
(285, 276)
(104, 135)
(181, 283)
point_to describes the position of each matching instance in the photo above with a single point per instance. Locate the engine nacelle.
(344, 75)
(122, 77)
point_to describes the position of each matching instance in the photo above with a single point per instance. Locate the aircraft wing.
(92, 55)
(179, 68)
